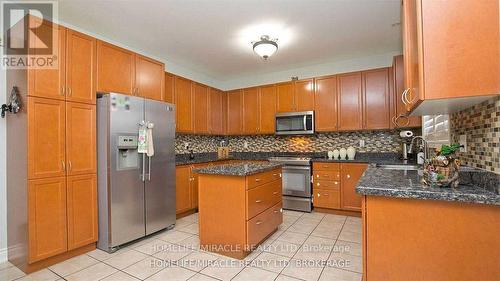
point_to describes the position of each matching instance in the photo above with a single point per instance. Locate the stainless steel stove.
(297, 189)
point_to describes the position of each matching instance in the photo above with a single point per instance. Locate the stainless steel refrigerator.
(136, 193)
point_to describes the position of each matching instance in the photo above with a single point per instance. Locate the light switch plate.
(361, 143)
(463, 141)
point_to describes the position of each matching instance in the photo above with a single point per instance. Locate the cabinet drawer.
(323, 166)
(262, 178)
(326, 175)
(326, 198)
(324, 184)
(263, 197)
(263, 224)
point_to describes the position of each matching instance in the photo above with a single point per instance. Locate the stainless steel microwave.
(295, 123)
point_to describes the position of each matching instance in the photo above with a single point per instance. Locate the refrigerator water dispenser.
(127, 152)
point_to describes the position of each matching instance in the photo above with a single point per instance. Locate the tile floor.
(307, 247)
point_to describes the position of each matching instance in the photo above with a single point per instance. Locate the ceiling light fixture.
(265, 47)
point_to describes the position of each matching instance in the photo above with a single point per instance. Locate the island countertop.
(237, 169)
(475, 186)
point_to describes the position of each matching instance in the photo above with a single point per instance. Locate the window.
(436, 130)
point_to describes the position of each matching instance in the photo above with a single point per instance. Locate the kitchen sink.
(399, 167)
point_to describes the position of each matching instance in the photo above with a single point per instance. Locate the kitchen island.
(415, 232)
(239, 206)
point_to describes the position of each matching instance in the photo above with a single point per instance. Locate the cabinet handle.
(276, 192)
(317, 184)
(69, 165)
(276, 211)
(63, 165)
(412, 100)
(63, 91)
(257, 179)
(335, 182)
(258, 201)
(403, 96)
(258, 223)
(348, 176)
(69, 92)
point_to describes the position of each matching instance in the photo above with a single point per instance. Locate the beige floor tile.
(330, 273)
(201, 277)
(270, 262)
(327, 232)
(92, 273)
(223, 269)
(276, 234)
(173, 273)
(347, 262)
(293, 237)
(315, 249)
(145, 268)
(334, 218)
(292, 213)
(350, 248)
(282, 277)
(152, 247)
(174, 236)
(190, 218)
(73, 265)
(350, 236)
(197, 261)
(120, 276)
(11, 273)
(192, 242)
(353, 227)
(289, 219)
(353, 220)
(103, 255)
(182, 223)
(253, 273)
(173, 253)
(41, 275)
(5, 265)
(253, 255)
(297, 269)
(331, 224)
(125, 259)
(283, 248)
(192, 229)
(302, 228)
(307, 221)
(313, 216)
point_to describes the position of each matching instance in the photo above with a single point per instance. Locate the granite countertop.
(476, 186)
(370, 157)
(238, 169)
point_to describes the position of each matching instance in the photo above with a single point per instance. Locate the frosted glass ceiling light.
(265, 47)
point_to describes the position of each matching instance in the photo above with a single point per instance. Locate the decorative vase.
(351, 152)
(336, 154)
(343, 153)
(330, 154)
(441, 171)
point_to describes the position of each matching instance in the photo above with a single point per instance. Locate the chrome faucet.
(424, 143)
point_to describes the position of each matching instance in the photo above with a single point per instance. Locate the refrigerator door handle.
(149, 168)
(143, 175)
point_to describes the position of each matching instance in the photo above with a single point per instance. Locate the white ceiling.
(213, 37)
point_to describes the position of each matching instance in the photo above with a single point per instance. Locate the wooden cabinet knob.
(258, 223)
(257, 179)
(258, 201)
(276, 192)
(348, 176)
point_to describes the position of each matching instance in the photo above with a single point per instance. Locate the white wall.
(3, 170)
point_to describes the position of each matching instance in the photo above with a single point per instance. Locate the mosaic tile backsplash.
(375, 141)
(481, 124)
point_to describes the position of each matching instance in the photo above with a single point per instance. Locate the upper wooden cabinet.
(149, 78)
(285, 97)
(80, 139)
(115, 69)
(234, 112)
(201, 109)
(398, 108)
(184, 104)
(216, 125)
(451, 50)
(251, 111)
(169, 95)
(349, 101)
(376, 99)
(295, 96)
(325, 104)
(267, 109)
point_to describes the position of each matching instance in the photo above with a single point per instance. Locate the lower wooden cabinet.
(351, 173)
(182, 189)
(327, 198)
(82, 210)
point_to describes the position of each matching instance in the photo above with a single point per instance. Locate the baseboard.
(3, 255)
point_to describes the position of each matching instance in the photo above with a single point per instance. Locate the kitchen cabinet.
(349, 102)
(399, 118)
(325, 104)
(267, 108)
(184, 105)
(47, 218)
(115, 69)
(327, 198)
(216, 112)
(81, 210)
(169, 95)
(450, 52)
(80, 138)
(285, 97)
(183, 192)
(234, 112)
(251, 111)
(304, 95)
(201, 109)
(149, 78)
(46, 138)
(376, 99)
(351, 173)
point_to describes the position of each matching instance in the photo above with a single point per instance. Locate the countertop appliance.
(295, 123)
(136, 193)
(297, 187)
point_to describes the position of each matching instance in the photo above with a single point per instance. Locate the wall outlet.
(186, 145)
(245, 145)
(361, 143)
(463, 141)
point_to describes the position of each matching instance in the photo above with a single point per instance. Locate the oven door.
(295, 123)
(297, 181)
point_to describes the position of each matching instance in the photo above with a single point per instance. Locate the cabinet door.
(48, 83)
(115, 69)
(82, 210)
(149, 78)
(399, 106)
(216, 112)
(81, 138)
(46, 138)
(304, 95)
(81, 67)
(267, 109)
(349, 101)
(410, 26)
(169, 95)
(285, 97)
(325, 104)
(326, 198)
(184, 105)
(182, 189)
(200, 93)
(251, 111)
(47, 223)
(351, 173)
(376, 108)
(234, 112)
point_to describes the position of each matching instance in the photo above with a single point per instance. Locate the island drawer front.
(326, 175)
(327, 184)
(323, 166)
(262, 178)
(264, 224)
(326, 198)
(263, 197)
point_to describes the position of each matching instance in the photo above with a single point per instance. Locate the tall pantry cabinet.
(52, 189)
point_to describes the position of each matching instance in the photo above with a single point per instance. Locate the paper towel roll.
(406, 134)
